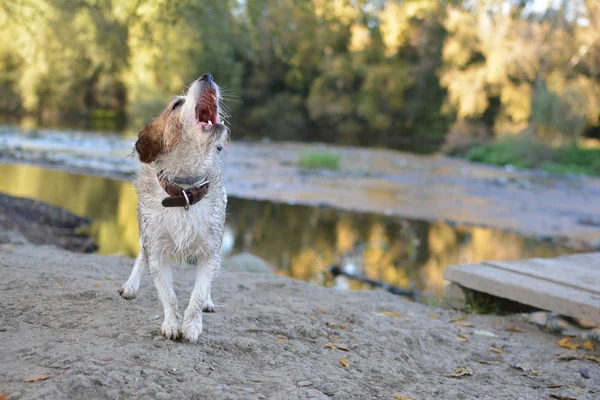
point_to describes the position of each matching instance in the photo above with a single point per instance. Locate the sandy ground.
(61, 318)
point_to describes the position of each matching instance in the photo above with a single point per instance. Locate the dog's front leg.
(130, 288)
(160, 269)
(200, 299)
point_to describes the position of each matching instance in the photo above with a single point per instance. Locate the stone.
(247, 262)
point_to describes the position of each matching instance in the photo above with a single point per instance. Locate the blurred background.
(508, 82)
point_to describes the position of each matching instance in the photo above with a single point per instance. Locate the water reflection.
(301, 241)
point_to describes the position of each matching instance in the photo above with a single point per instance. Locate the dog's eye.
(177, 104)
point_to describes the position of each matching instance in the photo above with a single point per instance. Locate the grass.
(319, 159)
(523, 152)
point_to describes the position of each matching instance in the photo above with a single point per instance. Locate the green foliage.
(525, 152)
(401, 74)
(323, 159)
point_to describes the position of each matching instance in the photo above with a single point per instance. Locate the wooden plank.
(540, 283)
(580, 271)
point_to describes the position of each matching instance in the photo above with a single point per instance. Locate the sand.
(62, 319)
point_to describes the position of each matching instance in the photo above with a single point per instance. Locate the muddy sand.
(64, 326)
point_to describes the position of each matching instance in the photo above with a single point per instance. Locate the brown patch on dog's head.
(161, 135)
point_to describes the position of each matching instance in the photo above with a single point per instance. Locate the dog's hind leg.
(130, 288)
(200, 298)
(208, 305)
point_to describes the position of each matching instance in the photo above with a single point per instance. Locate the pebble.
(304, 383)
(162, 396)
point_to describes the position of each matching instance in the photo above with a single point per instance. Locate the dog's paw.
(192, 329)
(208, 306)
(128, 292)
(170, 330)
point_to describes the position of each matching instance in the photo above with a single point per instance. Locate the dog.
(181, 202)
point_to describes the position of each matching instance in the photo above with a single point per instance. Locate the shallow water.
(302, 241)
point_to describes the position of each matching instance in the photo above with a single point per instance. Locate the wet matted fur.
(184, 141)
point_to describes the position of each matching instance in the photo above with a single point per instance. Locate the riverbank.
(431, 188)
(64, 327)
(26, 220)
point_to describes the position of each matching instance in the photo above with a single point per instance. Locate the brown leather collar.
(180, 197)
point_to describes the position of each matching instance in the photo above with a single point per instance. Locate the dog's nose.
(206, 77)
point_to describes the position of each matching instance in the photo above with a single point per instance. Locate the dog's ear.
(150, 143)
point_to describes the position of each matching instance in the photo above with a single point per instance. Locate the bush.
(313, 159)
(526, 152)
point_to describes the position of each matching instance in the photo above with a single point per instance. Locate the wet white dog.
(181, 202)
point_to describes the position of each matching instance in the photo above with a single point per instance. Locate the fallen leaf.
(458, 319)
(322, 311)
(588, 345)
(336, 347)
(312, 317)
(280, 341)
(37, 378)
(398, 325)
(390, 314)
(109, 278)
(333, 336)
(106, 359)
(59, 283)
(559, 397)
(460, 371)
(576, 389)
(3, 395)
(343, 326)
(569, 356)
(462, 338)
(491, 362)
(523, 367)
(495, 350)
(480, 332)
(282, 337)
(485, 359)
(97, 285)
(344, 362)
(567, 344)
(464, 324)
(330, 324)
(399, 396)
(591, 357)
(585, 373)
(434, 316)
(553, 387)
(517, 330)
(102, 334)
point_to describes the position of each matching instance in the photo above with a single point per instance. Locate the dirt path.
(61, 317)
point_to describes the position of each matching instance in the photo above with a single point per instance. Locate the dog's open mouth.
(206, 109)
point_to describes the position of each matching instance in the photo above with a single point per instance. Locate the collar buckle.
(187, 200)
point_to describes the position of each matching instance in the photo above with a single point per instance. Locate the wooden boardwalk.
(568, 285)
